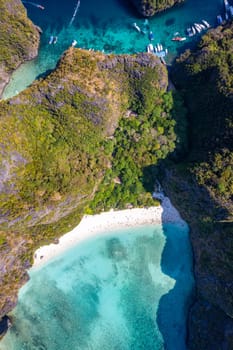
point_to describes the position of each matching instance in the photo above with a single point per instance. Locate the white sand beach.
(92, 225)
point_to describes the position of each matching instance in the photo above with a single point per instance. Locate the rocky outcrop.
(201, 185)
(150, 7)
(52, 150)
(19, 39)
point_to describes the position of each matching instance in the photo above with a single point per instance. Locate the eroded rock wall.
(19, 38)
(150, 7)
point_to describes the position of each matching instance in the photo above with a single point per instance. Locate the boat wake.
(75, 13)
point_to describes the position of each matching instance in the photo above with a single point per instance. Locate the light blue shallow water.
(127, 290)
(107, 25)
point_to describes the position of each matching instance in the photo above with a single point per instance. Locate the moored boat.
(219, 19)
(206, 23)
(51, 39)
(151, 36)
(231, 11)
(150, 48)
(189, 32)
(197, 27)
(179, 38)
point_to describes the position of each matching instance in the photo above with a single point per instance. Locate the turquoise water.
(127, 290)
(106, 26)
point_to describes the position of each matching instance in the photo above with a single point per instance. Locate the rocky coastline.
(149, 7)
(211, 316)
(22, 30)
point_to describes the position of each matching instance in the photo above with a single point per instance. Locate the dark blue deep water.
(107, 25)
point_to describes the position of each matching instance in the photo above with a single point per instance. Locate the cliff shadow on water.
(177, 263)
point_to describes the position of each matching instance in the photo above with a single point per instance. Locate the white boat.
(197, 27)
(219, 19)
(227, 6)
(194, 30)
(51, 39)
(161, 47)
(189, 32)
(231, 11)
(136, 27)
(150, 48)
(74, 42)
(202, 26)
(206, 23)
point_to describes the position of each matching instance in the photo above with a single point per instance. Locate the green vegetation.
(200, 184)
(85, 138)
(150, 7)
(140, 140)
(207, 80)
(2, 239)
(18, 36)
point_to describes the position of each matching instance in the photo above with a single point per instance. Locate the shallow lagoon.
(125, 290)
(106, 26)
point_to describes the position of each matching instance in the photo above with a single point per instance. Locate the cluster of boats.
(157, 49)
(53, 40)
(197, 28)
(228, 13)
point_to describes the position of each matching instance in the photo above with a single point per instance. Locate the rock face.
(201, 186)
(52, 150)
(150, 7)
(19, 39)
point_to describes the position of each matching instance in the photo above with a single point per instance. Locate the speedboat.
(189, 32)
(194, 30)
(150, 48)
(136, 27)
(151, 36)
(74, 42)
(197, 27)
(219, 19)
(227, 6)
(202, 26)
(51, 39)
(179, 38)
(231, 11)
(206, 23)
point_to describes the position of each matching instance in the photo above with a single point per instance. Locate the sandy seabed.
(92, 225)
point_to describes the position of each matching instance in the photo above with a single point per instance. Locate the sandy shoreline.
(91, 225)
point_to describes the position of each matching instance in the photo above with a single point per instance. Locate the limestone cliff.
(201, 186)
(150, 7)
(19, 38)
(56, 145)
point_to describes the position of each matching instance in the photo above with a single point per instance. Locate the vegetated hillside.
(150, 7)
(63, 138)
(202, 185)
(19, 38)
